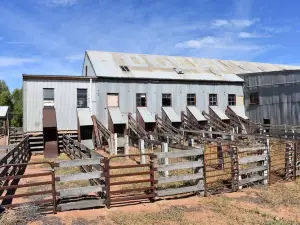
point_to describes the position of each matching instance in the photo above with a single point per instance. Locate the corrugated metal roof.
(106, 64)
(84, 117)
(116, 115)
(3, 111)
(196, 113)
(171, 114)
(219, 112)
(146, 115)
(239, 110)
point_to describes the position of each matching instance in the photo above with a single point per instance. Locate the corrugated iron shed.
(196, 113)
(239, 110)
(3, 111)
(146, 115)
(84, 117)
(171, 114)
(116, 115)
(219, 112)
(107, 64)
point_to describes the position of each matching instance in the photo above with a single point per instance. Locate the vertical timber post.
(115, 144)
(220, 156)
(164, 148)
(142, 151)
(126, 146)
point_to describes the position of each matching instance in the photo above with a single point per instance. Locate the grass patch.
(20, 215)
(174, 215)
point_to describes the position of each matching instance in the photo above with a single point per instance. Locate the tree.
(17, 111)
(5, 97)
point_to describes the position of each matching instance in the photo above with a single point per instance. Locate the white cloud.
(233, 23)
(251, 35)
(75, 57)
(13, 61)
(58, 2)
(223, 43)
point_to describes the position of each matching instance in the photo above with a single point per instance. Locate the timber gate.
(253, 165)
(179, 172)
(88, 195)
(283, 161)
(220, 169)
(128, 183)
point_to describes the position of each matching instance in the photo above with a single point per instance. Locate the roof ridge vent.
(178, 71)
(125, 68)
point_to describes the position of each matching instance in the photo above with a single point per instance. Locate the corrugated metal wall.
(65, 97)
(127, 95)
(279, 97)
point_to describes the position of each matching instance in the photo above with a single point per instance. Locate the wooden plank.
(83, 204)
(175, 191)
(253, 169)
(163, 180)
(177, 166)
(78, 191)
(255, 149)
(78, 162)
(251, 180)
(183, 153)
(251, 159)
(297, 172)
(79, 176)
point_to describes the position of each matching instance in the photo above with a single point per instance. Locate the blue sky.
(50, 36)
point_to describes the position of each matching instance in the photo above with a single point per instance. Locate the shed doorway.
(112, 100)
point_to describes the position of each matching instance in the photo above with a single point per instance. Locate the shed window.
(191, 99)
(231, 99)
(254, 98)
(48, 97)
(213, 99)
(166, 100)
(141, 100)
(81, 98)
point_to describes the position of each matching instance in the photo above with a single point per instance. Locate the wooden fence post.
(220, 156)
(142, 151)
(116, 144)
(164, 148)
(126, 147)
(266, 162)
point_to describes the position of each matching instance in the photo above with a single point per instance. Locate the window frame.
(191, 99)
(139, 99)
(230, 100)
(85, 100)
(252, 99)
(166, 96)
(48, 102)
(211, 100)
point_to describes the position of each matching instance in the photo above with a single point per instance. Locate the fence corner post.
(164, 148)
(142, 151)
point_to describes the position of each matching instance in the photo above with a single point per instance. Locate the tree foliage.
(14, 102)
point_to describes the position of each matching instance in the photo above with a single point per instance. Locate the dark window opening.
(254, 98)
(213, 99)
(124, 68)
(191, 99)
(86, 132)
(141, 100)
(231, 99)
(81, 98)
(166, 100)
(267, 123)
(48, 97)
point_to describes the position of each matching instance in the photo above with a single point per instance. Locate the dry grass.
(20, 215)
(172, 215)
(280, 194)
